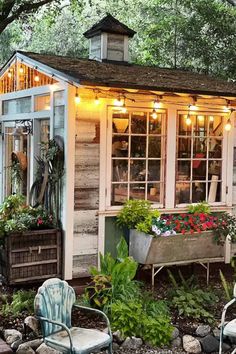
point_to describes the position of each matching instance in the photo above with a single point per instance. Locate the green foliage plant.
(191, 301)
(21, 300)
(114, 280)
(199, 208)
(135, 318)
(227, 286)
(133, 212)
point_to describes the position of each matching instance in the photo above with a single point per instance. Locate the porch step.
(4, 348)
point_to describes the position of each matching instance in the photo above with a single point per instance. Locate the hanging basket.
(21, 158)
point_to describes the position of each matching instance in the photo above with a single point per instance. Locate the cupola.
(109, 40)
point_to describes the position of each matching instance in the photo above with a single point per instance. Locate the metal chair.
(53, 305)
(227, 328)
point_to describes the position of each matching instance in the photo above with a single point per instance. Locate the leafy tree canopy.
(198, 35)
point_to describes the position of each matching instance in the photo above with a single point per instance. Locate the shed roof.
(111, 25)
(92, 72)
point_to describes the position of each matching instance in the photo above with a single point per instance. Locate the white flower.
(154, 228)
(167, 233)
(158, 232)
(173, 232)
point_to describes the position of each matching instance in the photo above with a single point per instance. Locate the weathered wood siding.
(86, 191)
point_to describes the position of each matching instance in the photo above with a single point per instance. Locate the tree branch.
(5, 20)
(232, 2)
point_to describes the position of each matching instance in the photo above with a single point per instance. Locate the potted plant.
(30, 244)
(175, 238)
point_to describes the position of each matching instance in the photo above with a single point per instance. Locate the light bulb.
(77, 98)
(188, 121)
(36, 78)
(157, 104)
(96, 101)
(118, 102)
(228, 125)
(9, 74)
(154, 114)
(21, 70)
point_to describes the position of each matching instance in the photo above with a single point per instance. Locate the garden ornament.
(53, 305)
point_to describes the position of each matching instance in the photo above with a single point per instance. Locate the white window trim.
(108, 168)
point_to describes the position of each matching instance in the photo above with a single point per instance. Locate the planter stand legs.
(205, 263)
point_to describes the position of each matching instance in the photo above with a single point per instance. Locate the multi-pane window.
(199, 158)
(138, 153)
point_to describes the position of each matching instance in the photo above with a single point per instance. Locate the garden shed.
(129, 131)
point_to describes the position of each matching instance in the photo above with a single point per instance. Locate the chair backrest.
(54, 301)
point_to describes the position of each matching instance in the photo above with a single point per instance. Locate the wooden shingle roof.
(91, 72)
(111, 25)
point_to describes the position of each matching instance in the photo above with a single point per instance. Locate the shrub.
(133, 212)
(134, 318)
(190, 301)
(115, 279)
(21, 300)
(199, 208)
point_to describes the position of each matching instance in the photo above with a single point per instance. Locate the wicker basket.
(31, 256)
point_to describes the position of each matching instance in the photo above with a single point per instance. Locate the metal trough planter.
(177, 249)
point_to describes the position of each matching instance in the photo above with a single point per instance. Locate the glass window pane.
(137, 170)
(215, 148)
(138, 146)
(119, 170)
(137, 191)
(199, 147)
(214, 168)
(154, 167)
(42, 103)
(154, 146)
(119, 194)
(182, 193)
(184, 148)
(199, 170)
(200, 125)
(216, 125)
(153, 192)
(120, 146)
(198, 192)
(183, 170)
(19, 105)
(59, 98)
(120, 123)
(155, 124)
(184, 127)
(139, 123)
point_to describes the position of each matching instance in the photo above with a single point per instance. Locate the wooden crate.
(31, 256)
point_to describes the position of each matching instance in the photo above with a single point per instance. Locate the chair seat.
(230, 329)
(83, 339)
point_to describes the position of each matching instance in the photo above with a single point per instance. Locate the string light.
(36, 77)
(188, 121)
(77, 97)
(9, 74)
(96, 101)
(118, 102)
(157, 104)
(228, 125)
(21, 69)
(193, 106)
(154, 114)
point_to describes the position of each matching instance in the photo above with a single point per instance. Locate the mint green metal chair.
(53, 305)
(227, 329)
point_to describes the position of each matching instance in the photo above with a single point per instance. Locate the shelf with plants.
(30, 244)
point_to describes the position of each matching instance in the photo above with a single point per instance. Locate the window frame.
(224, 158)
(110, 110)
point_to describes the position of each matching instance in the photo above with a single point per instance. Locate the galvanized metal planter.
(175, 250)
(31, 256)
(172, 249)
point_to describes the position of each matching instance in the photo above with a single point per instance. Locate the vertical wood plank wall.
(86, 190)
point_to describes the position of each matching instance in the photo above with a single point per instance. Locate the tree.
(11, 10)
